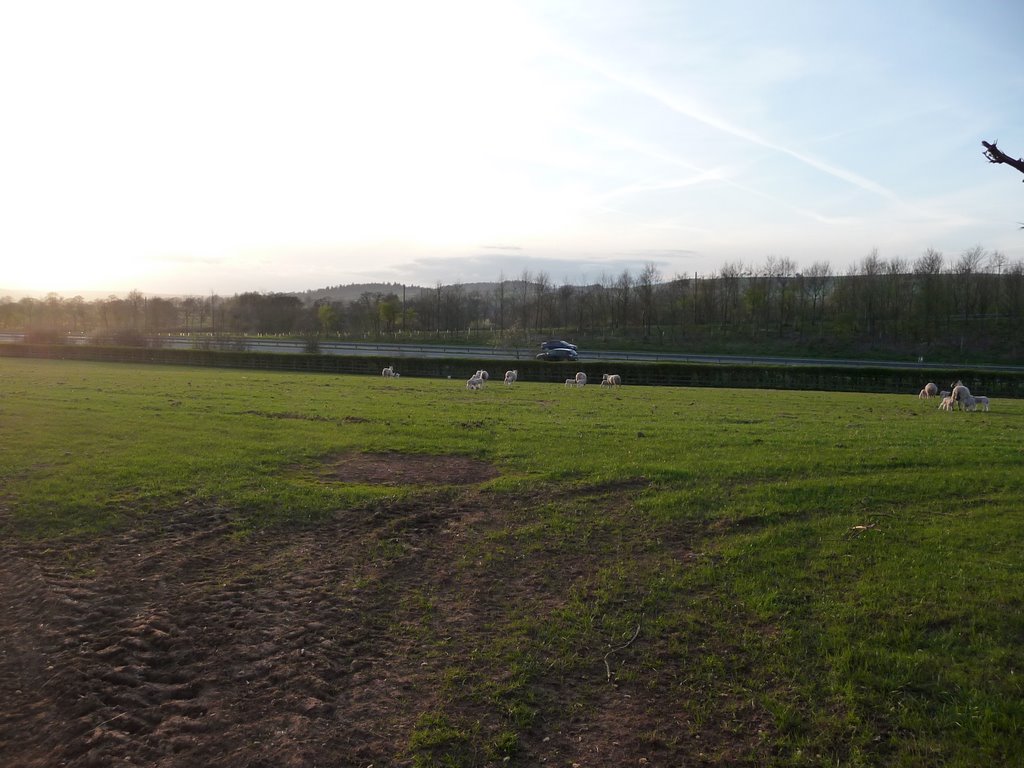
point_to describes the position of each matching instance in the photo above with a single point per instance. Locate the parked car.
(558, 344)
(559, 353)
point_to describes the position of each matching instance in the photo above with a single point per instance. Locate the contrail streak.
(701, 115)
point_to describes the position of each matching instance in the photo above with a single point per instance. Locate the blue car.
(558, 344)
(560, 353)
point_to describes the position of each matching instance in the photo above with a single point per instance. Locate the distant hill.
(346, 293)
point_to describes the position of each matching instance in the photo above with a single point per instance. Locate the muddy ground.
(176, 642)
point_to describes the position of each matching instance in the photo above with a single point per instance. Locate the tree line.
(971, 304)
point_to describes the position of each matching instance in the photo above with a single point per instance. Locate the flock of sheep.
(480, 378)
(958, 397)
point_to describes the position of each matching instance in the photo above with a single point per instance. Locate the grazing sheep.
(475, 383)
(570, 382)
(511, 377)
(960, 395)
(581, 379)
(611, 380)
(944, 393)
(930, 389)
(981, 402)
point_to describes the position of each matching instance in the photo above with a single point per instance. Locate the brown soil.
(176, 642)
(407, 469)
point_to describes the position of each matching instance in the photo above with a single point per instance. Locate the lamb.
(511, 377)
(570, 382)
(388, 372)
(475, 383)
(611, 380)
(981, 402)
(944, 393)
(483, 375)
(946, 404)
(581, 379)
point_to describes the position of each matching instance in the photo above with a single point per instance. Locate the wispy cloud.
(702, 114)
(721, 174)
(660, 186)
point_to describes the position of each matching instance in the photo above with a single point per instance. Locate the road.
(252, 344)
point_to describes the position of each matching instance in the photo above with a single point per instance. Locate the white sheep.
(482, 374)
(930, 390)
(960, 395)
(581, 379)
(946, 404)
(511, 377)
(611, 380)
(981, 402)
(944, 393)
(475, 383)
(570, 382)
(388, 372)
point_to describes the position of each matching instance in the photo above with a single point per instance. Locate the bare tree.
(731, 274)
(524, 299)
(818, 281)
(965, 286)
(929, 291)
(500, 297)
(624, 288)
(566, 293)
(542, 287)
(649, 278)
(871, 269)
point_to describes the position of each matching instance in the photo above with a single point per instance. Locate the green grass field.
(744, 577)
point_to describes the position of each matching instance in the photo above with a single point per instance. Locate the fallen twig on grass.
(636, 633)
(857, 530)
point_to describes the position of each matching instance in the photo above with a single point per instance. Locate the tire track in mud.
(180, 644)
(108, 662)
(177, 642)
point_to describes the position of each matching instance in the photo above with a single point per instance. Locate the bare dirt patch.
(176, 642)
(407, 469)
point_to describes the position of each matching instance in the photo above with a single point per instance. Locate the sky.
(218, 146)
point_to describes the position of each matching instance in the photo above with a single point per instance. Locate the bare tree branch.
(996, 155)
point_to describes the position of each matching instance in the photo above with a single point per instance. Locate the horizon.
(325, 144)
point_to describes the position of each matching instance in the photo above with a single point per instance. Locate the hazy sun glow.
(235, 145)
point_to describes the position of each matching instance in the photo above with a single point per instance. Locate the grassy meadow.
(791, 578)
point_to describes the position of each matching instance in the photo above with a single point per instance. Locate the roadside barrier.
(994, 383)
